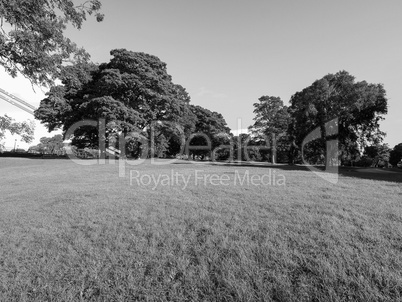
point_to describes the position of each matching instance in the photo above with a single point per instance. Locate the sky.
(228, 53)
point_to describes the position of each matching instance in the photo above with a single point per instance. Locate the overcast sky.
(229, 53)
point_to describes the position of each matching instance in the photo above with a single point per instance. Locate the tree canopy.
(379, 154)
(333, 108)
(271, 117)
(210, 130)
(270, 126)
(49, 145)
(208, 122)
(132, 93)
(24, 129)
(396, 155)
(133, 90)
(357, 106)
(32, 39)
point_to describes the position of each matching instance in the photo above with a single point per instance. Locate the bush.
(364, 161)
(30, 155)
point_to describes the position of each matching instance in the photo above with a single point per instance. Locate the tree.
(171, 134)
(50, 145)
(337, 100)
(210, 129)
(131, 93)
(396, 155)
(241, 148)
(32, 39)
(271, 117)
(379, 154)
(271, 123)
(23, 129)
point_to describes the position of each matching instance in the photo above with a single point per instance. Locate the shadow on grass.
(393, 175)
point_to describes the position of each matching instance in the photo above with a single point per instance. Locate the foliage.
(132, 93)
(32, 39)
(242, 150)
(271, 117)
(213, 128)
(270, 126)
(358, 106)
(363, 161)
(379, 154)
(396, 155)
(24, 129)
(49, 145)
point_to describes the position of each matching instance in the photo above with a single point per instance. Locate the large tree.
(271, 117)
(132, 92)
(32, 40)
(341, 109)
(24, 129)
(271, 123)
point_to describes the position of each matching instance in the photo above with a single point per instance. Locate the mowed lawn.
(82, 233)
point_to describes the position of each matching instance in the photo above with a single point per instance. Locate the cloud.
(210, 93)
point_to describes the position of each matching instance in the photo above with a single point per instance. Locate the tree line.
(134, 94)
(333, 108)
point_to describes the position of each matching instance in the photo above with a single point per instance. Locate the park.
(262, 163)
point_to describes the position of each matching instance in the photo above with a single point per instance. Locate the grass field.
(82, 233)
